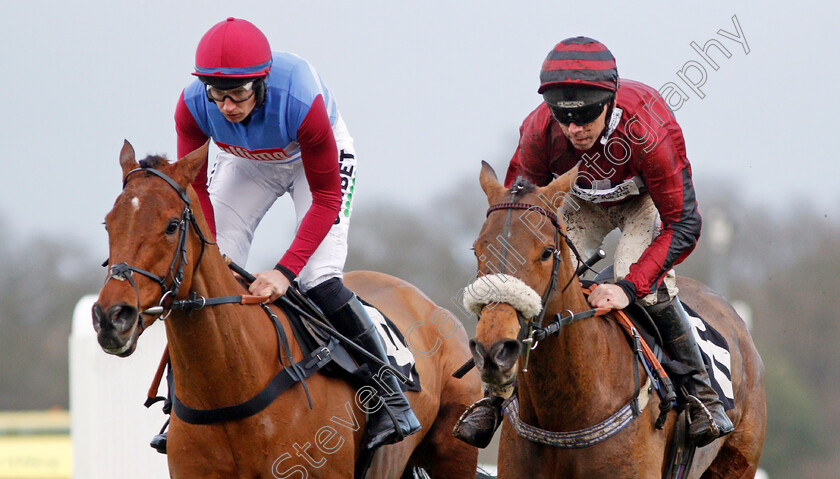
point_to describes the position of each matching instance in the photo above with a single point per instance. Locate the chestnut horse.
(224, 354)
(581, 377)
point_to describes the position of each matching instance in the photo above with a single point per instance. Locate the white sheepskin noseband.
(502, 288)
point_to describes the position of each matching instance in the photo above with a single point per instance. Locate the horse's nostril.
(505, 353)
(478, 353)
(121, 317)
(98, 317)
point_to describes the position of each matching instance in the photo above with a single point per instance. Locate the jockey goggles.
(236, 95)
(577, 105)
(578, 116)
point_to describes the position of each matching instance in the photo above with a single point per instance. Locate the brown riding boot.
(708, 419)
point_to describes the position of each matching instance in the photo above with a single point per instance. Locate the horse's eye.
(172, 227)
(547, 253)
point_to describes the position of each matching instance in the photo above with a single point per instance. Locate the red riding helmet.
(579, 62)
(233, 48)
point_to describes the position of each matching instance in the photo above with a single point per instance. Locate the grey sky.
(427, 89)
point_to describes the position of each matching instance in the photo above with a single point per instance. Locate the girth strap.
(573, 439)
(278, 384)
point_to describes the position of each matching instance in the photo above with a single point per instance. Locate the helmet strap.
(612, 118)
(612, 123)
(260, 91)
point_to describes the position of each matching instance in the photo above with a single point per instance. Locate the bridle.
(532, 331)
(556, 258)
(124, 271)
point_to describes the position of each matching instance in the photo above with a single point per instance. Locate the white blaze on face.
(135, 203)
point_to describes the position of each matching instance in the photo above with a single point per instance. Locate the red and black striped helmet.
(233, 48)
(579, 61)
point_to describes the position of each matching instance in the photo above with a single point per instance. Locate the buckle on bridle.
(530, 342)
(163, 308)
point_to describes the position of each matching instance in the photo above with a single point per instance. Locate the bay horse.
(224, 354)
(584, 374)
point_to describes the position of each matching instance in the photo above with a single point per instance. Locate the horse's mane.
(521, 186)
(153, 161)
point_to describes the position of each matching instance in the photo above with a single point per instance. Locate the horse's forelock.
(153, 161)
(522, 186)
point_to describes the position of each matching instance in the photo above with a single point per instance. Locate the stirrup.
(394, 432)
(158, 442)
(479, 422)
(701, 434)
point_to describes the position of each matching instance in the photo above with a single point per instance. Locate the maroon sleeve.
(532, 157)
(667, 175)
(319, 155)
(190, 138)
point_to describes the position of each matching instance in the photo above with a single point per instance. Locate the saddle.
(315, 341)
(715, 352)
(713, 346)
(312, 339)
(324, 350)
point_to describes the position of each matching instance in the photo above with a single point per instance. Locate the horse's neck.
(577, 372)
(218, 346)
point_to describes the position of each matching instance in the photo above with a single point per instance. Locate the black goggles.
(579, 116)
(236, 95)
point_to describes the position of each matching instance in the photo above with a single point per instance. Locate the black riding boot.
(479, 422)
(394, 420)
(708, 419)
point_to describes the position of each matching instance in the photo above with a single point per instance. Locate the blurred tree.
(40, 283)
(410, 247)
(784, 264)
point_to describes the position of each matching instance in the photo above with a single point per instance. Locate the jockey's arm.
(319, 155)
(667, 176)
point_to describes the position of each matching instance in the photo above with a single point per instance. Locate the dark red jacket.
(647, 143)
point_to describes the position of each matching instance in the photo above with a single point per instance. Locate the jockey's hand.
(271, 283)
(608, 296)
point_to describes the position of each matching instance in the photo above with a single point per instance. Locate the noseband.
(124, 271)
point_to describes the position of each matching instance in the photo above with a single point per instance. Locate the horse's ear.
(187, 167)
(557, 190)
(127, 161)
(489, 182)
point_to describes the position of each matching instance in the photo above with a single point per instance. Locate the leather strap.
(278, 384)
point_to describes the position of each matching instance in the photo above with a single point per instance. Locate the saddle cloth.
(713, 348)
(715, 352)
(399, 354)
